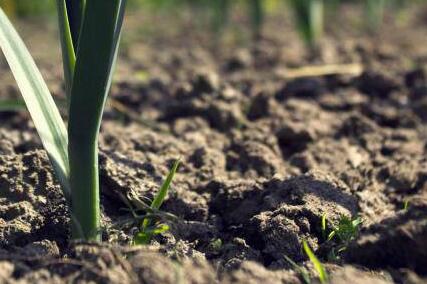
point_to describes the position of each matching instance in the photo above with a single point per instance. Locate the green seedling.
(405, 204)
(347, 229)
(305, 276)
(149, 228)
(318, 266)
(323, 226)
(309, 18)
(89, 33)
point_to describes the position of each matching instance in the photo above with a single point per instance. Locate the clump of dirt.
(31, 202)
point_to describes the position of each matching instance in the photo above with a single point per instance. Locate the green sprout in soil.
(405, 204)
(89, 33)
(149, 228)
(343, 234)
(347, 229)
(323, 226)
(151, 222)
(318, 266)
(309, 20)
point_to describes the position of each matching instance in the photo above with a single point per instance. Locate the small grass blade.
(161, 195)
(40, 104)
(406, 205)
(323, 276)
(143, 237)
(323, 226)
(147, 231)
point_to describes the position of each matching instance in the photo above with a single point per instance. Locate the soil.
(264, 157)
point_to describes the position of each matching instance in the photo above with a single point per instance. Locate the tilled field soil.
(264, 157)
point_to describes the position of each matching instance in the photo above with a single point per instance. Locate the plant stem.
(98, 42)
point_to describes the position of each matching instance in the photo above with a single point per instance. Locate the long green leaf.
(161, 194)
(38, 99)
(96, 53)
(323, 275)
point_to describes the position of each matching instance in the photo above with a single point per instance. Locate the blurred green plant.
(220, 15)
(346, 231)
(318, 266)
(309, 19)
(256, 12)
(25, 8)
(374, 14)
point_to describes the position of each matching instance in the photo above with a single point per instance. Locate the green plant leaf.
(40, 104)
(323, 226)
(146, 231)
(309, 20)
(95, 57)
(161, 195)
(406, 204)
(323, 276)
(144, 237)
(347, 229)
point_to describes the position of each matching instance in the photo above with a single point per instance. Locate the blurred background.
(243, 20)
(166, 40)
